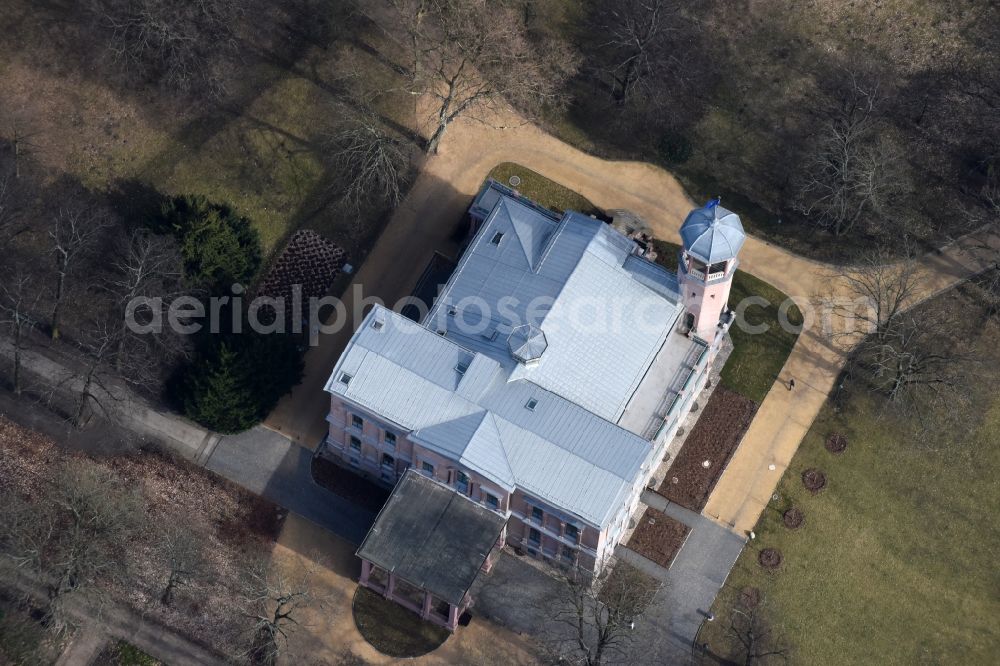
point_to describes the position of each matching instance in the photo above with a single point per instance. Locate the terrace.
(655, 402)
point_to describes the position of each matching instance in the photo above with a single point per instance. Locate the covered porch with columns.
(427, 546)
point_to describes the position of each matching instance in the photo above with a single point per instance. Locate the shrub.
(238, 379)
(673, 148)
(219, 247)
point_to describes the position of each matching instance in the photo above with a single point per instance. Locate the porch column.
(428, 602)
(390, 585)
(452, 617)
(366, 571)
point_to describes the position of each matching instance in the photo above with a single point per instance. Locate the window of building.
(536, 514)
(462, 481)
(534, 538)
(573, 533)
(357, 421)
(492, 501)
(568, 554)
(497, 237)
(427, 467)
(355, 443)
(461, 367)
(390, 439)
(388, 461)
(355, 461)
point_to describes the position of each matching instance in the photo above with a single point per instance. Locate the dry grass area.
(235, 525)
(896, 560)
(259, 148)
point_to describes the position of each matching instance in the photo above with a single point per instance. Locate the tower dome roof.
(712, 233)
(527, 343)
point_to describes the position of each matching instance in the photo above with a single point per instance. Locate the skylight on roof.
(345, 378)
(531, 404)
(497, 237)
(377, 324)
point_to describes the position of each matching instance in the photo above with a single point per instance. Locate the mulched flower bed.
(658, 537)
(836, 443)
(793, 518)
(714, 438)
(770, 558)
(814, 480)
(349, 485)
(308, 260)
(750, 597)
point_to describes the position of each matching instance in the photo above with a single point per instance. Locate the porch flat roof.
(432, 537)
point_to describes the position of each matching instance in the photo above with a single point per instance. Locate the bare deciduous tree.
(473, 58)
(174, 41)
(182, 552)
(22, 143)
(73, 233)
(18, 302)
(920, 358)
(374, 165)
(274, 597)
(636, 50)
(94, 391)
(147, 273)
(754, 638)
(600, 613)
(71, 536)
(854, 170)
(882, 287)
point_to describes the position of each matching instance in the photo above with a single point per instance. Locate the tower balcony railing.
(700, 275)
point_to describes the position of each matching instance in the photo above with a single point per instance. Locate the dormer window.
(461, 367)
(497, 237)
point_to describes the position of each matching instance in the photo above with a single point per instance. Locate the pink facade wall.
(556, 541)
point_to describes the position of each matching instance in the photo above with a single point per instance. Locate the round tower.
(711, 237)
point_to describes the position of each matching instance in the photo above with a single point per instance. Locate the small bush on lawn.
(673, 148)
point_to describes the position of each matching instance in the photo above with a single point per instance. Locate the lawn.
(393, 630)
(125, 654)
(261, 148)
(541, 190)
(896, 561)
(757, 358)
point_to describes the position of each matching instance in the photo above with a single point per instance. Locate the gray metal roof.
(557, 451)
(577, 282)
(712, 233)
(567, 293)
(432, 537)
